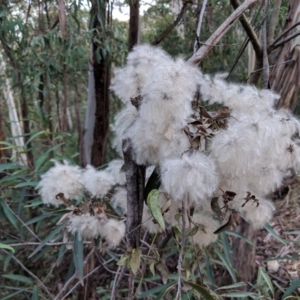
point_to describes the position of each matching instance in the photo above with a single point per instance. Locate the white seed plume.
(61, 178)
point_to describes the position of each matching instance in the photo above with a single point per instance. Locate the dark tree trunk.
(133, 23)
(101, 76)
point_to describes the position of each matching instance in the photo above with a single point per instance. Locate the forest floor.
(279, 252)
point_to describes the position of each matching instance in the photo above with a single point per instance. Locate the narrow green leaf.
(291, 289)
(154, 207)
(232, 286)
(35, 293)
(27, 183)
(267, 279)
(158, 289)
(202, 290)
(47, 239)
(20, 278)
(236, 234)
(274, 234)
(12, 296)
(123, 260)
(10, 166)
(239, 294)
(78, 256)
(7, 261)
(229, 268)
(8, 213)
(3, 246)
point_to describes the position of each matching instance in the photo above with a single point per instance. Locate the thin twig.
(272, 66)
(180, 258)
(119, 276)
(161, 37)
(40, 283)
(198, 31)
(74, 276)
(266, 70)
(75, 286)
(220, 32)
(23, 223)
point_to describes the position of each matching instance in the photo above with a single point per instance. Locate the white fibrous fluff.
(61, 178)
(206, 227)
(128, 81)
(97, 183)
(119, 199)
(256, 214)
(86, 225)
(123, 120)
(191, 176)
(113, 232)
(114, 169)
(240, 98)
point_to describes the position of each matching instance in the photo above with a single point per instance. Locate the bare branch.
(248, 29)
(283, 34)
(198, 31)
(164, 34)
(290, 37)
(219, 33)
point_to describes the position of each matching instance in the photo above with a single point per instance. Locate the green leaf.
(236, 234)
(202, 290)
(158, 289)
(20, 278)
(78, 256)
(232, 286)
(291, 289)
(239, 294)
(47, 239)
(10, 166)
(275, 235)
(228, 266)
(12, 296)
(35, 293)
(27, 183)
(3, 246)
(135, 260)
(154, 208)
(8, 213)
(267, 279)
(163, 271)
(123, 260)
(7, 261)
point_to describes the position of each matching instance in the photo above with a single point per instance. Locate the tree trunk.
(285, 76)
(101, 87)
(133, 23)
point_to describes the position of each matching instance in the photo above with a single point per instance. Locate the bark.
(133, 23)
(135, 182)
(285, 76)
(244, 254)
(101, 87)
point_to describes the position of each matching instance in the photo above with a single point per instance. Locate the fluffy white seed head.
(114, 169)
(123, 120)
(86, 225)
(206, 227)
(97, 183)
(61, 178)
(113, 231)
(192, 176)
